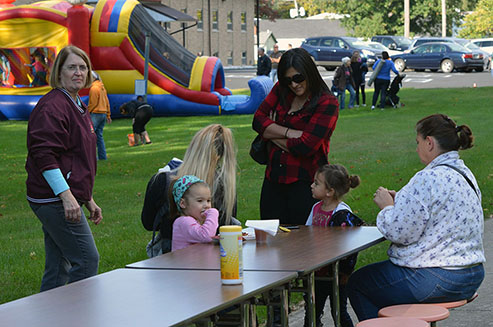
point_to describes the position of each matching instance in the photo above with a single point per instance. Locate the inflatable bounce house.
(113, 35)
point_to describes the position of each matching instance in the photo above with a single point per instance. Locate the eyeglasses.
(298, 78)
(73, 68)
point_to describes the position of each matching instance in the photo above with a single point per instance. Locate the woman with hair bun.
(435, 224)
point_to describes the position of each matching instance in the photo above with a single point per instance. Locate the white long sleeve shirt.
(437, 218)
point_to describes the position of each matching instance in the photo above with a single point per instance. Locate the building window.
(200, 22)
(243, 21)
(243, 58)
(215, 18)
(230, 21)
(230, 58)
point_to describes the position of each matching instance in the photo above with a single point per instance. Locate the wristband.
(56, 181)
(286, 134)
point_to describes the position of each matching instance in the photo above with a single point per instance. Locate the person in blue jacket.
(382, 81)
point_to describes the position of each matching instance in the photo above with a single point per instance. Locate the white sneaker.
(357, 106)
(372, 107)
(364, 104)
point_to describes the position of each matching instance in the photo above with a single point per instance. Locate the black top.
(264, 66)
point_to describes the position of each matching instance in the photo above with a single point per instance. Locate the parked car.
(465, 43)
(380, 47)
(484, 44)
(446, 56)
(328, 51)
(393, 42)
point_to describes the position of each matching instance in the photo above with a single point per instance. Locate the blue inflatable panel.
(230, 102)
(164, 105)
(260, 87)
(17, 107)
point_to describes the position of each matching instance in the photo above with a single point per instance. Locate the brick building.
(224, 29)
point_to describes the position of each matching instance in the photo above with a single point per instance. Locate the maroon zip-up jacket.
(60, 135)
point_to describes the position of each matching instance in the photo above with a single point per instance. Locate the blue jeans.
(383, 284)
(352, 96)
(273, 75)
(98, 121)
(71, 253)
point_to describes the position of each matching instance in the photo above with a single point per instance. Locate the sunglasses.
(298, 78)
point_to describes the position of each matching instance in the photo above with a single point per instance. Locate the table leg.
(336, 310)
(245, 313)
(284, 303)
(310, 306)
(253, 313)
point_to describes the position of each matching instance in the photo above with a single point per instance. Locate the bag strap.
(463, 175)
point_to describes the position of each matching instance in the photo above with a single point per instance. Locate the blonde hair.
(211, 156)
(60, 60)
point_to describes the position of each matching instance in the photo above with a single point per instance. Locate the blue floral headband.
(182, 185)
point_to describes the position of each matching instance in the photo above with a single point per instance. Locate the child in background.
(196, 221)
(330, 184)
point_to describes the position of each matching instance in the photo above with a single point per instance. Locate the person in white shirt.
(435, 224)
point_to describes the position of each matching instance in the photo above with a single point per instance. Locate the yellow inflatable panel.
(41, 33)
(117, 82)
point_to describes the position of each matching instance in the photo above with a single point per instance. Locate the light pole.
(406, 18)
(444, 18)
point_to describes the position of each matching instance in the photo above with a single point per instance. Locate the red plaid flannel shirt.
(306, 153)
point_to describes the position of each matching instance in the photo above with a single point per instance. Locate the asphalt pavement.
(478, 313)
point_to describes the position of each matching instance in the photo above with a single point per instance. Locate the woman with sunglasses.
(297, 118)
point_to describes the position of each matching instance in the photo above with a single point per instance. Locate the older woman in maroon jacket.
(61, 166)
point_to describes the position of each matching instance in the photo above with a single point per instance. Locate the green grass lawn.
(379, 146)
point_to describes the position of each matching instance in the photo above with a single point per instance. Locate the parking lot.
(238, 78)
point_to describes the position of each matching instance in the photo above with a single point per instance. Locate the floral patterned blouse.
(437, 218)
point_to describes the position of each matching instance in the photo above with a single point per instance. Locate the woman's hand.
(95, 213)
(383, 197)
(70, 206)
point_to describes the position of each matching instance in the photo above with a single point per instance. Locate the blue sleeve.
(56, 181)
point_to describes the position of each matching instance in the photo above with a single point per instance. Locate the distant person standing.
(275, 57)
(382, 81)
(359, 71)
(99, 107)
(263, 64)
(343, 80)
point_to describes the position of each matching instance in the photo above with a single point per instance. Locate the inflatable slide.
(113, 34)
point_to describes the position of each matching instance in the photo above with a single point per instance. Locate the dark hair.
(449, 136)
(301, 60)
(337, 177)
(385, 55)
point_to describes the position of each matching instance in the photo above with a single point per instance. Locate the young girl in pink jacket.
(196, 221)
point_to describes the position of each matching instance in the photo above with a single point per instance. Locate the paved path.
(478, 313)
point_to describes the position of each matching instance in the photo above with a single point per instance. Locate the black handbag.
(258, 150)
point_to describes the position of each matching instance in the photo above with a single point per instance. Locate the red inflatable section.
(78, 19)
(164, 83)
(109, 58)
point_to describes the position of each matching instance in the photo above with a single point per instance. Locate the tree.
(370, 17)
(266, 10)
(480, 23)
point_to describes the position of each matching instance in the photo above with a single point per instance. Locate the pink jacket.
(187, 230)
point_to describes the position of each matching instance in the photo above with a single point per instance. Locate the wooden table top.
(302, 250)
(137, 297)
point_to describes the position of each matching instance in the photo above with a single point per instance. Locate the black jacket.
(264, 65)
